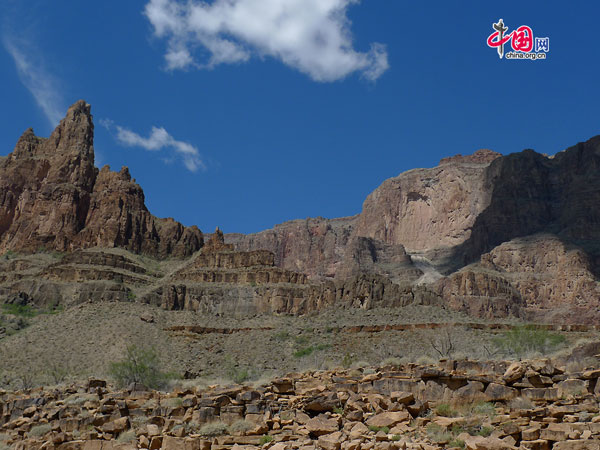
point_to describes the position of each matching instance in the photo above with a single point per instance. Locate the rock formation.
(488, 234)
(473, 405)
(52, 197)
(441, 222)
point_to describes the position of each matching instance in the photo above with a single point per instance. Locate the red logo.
(520, 39)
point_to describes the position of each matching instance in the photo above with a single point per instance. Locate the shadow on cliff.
(533, 193)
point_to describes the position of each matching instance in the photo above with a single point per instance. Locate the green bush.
(377, 429)
(18, 310)
(304, 352)
(526, 339)
(485, 431)
(265, 439)
(140, 365)
(444, 409)
(457, 443)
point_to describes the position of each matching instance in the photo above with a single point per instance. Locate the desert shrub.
(9, 254)
(457, 443)
(526, 339)
(127, 436)
(485, 431)
(425, 360)
(265, 439)
(18, 310)
(26, 379)
(238, 374)
(40, 430)
(347, 360)
(213, 429)
(396, 437)
(56, 371)
(376, 429)
(241, 426)
(392, 361)
(360, 365)
(444, 409)
(520, 403)
(484, 408)
(140, 365)
(283, 335)
(80, 399)
(438, 434)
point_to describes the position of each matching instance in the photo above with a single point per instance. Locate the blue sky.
(247, 113)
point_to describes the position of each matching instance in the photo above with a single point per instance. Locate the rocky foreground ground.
(535, 404)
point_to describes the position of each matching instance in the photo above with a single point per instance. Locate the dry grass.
(87, 338)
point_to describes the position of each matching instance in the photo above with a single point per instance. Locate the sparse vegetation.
(443, 343)
(18, 310)
(238, 374)
(265, 439)
(524, 340)
(338, 410)
(140, 365)
(9, 254)
(310, 349)
(444, 409)
(438, 434)
(485, 431)
(213, 429)
(392, 361)
(457, 443)
(241, 427)
(80, 399)
(127, 436)
(376, 429)
(40, 430)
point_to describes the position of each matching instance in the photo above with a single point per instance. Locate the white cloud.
(312, 36)
(40, 84)
(160, 139)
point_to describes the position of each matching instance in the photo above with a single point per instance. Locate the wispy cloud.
(42, 86)
(312, 36)
(158, 140)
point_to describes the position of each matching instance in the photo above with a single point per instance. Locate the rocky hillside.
(452, 405)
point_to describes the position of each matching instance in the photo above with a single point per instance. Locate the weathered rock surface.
(341, 409)
(496, 235)
(53, 198)
(491, 235)
(312, 246)
(428, 209)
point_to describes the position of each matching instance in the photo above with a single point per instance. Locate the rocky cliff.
(445, 225)
(487, 234)
(53, 198)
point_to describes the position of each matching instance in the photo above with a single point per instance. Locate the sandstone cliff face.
(426, 209)
(52, 197)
